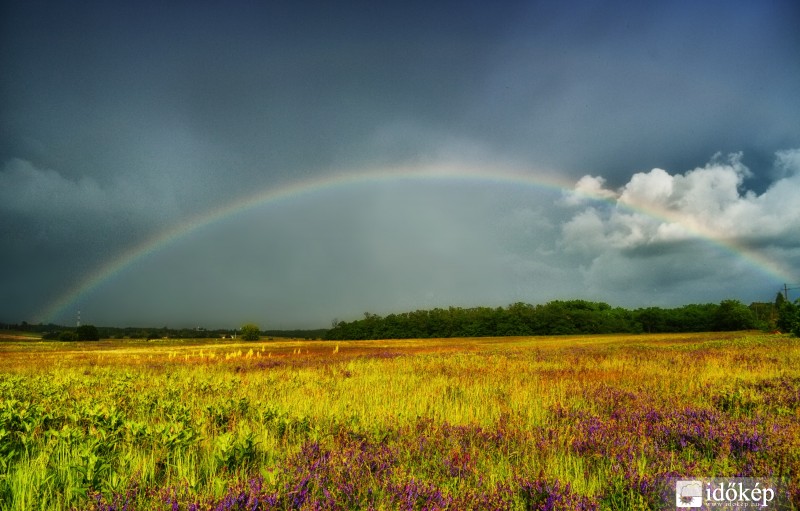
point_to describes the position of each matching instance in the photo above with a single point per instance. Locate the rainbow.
(442, 173)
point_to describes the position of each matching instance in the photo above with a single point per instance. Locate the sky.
(291, 163)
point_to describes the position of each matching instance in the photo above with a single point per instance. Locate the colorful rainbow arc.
(438, 173)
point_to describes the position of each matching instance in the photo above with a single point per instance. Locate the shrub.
(67, 336)
(251, 332)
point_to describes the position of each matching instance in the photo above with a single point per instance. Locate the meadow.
(520, 423)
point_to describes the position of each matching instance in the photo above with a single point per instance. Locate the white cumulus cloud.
(658, 218)
(709, 201)
(588, 188)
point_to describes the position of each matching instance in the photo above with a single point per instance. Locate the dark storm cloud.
(621, 87)
(281, 89)
(120, 120)
(289, 89)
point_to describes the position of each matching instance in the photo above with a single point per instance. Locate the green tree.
(251, 332)
(733, 315)
(789, 317)
(764, 313)
(87, 333)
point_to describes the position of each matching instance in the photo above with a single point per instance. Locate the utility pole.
(786, 290)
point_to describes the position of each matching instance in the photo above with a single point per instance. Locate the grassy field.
(596, 422)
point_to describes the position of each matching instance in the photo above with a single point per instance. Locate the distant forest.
(55, 332)
(569, 317)
(557, 318)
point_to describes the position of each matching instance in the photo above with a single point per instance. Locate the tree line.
(570, 317)
(53, 332)
(559, 317)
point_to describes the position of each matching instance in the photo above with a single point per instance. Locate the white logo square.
(688, 494)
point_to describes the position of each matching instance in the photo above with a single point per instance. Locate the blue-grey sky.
(119, 121)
